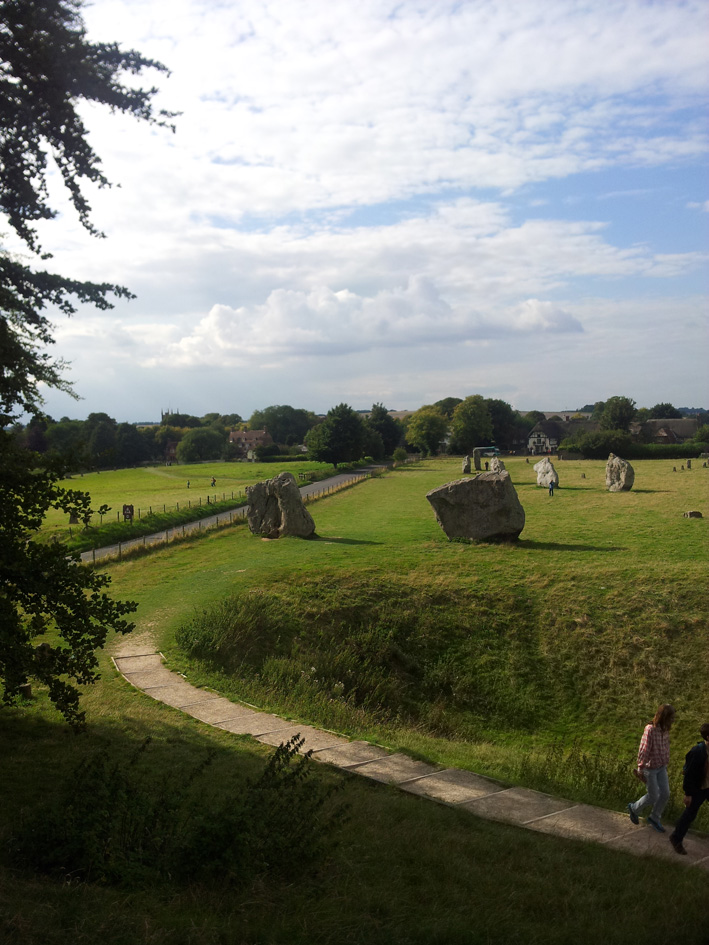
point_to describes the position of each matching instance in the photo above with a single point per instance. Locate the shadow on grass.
(653, 491)
(560, 546)
(344, 541)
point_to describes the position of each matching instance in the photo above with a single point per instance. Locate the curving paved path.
(143, 667)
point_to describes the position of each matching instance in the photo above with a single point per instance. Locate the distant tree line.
(453, 425)
(457, 425)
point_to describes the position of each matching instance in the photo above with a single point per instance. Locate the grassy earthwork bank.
(481, 656)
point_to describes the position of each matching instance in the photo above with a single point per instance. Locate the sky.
(397, 202)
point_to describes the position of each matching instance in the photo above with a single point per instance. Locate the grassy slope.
(406, 870)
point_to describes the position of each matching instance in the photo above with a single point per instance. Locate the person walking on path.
(653, 758)
(695, 787)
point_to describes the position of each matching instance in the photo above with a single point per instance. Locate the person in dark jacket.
(695, 786)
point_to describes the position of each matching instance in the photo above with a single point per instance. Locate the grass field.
(163, 488)
(597, 614)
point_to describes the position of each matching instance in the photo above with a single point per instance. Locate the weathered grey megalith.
(276, 509)
(546, 474)
(485, 508)
(496, 465)
(466, 465)
(620, 475)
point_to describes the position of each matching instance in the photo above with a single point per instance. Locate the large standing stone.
(620, 475)
(276, 509)
(546, 474)
(496, 465)
(483, 509)
(466, 465)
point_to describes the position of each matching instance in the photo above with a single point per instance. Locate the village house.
(546, 435)
(669, 431)
(247, 440)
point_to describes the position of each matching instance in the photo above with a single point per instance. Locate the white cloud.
(356, 191)
(296, 324)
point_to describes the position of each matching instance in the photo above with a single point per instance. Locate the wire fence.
(309, 493)
(209, 500)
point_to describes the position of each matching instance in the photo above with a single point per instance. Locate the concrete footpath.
(483, 797)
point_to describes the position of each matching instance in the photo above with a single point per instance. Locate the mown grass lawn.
(612, 592)
(159, 488)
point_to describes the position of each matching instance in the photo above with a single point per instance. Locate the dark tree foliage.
(47, 69)
(200, 444)
(339, 438)
(448, 405)
(664, 412)
(42, 589)
(504, 423)
(386, 426)
(286, 424)
(25, 295)
(426, 429)
(471, 425)
(618, 413)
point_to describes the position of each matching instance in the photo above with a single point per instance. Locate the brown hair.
(664, 717)
(704, 730)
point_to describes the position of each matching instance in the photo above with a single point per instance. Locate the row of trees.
(454, 423)
(462, 424)
(100, 441)
(617, 413)
(345, 436)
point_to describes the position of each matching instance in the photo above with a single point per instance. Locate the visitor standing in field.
(695, 787)
(653, 758)
(551, 487)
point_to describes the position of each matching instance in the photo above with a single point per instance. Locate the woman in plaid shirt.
(653, 758)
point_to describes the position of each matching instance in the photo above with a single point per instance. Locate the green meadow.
(536, 662)
(163, 489)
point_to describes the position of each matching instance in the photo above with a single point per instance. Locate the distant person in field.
(214, 482)
(188, 483)
(653, 758)
(551, 487)
(695, 787)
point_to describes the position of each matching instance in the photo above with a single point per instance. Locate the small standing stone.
(546, 473)
(466, 465)
(620, 475)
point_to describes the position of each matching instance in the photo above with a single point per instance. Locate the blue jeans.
(658, 792)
